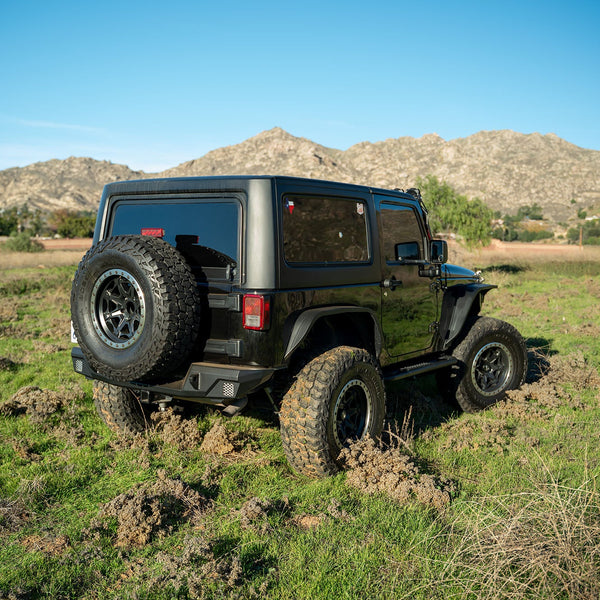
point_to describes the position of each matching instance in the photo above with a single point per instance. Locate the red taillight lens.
(257, 312)
(156, 232)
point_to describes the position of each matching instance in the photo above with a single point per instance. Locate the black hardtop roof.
(229, 182)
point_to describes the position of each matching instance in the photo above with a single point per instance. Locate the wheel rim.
(352, 412)
(118, 308)
(492, 369)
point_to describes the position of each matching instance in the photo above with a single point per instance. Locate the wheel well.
(356, 329)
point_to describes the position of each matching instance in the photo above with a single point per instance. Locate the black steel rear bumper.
(209, 383)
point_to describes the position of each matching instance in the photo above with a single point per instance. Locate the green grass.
(522, 522)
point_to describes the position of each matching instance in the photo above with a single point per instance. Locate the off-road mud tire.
(163, 291)
(313, 407)
(119, 408)
(492, 359)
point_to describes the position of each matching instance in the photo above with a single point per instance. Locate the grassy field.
(501, 504)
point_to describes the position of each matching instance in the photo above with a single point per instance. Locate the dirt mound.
(39, 404)
(220, 441)
(372, 469)
(183, 433)
(149, 511)
(573, 370)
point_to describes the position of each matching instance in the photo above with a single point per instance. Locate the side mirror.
(438, 252)
(407, 251)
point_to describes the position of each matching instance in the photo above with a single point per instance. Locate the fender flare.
(457, 305)
(301, 325)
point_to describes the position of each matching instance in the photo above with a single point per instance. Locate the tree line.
(21, 220)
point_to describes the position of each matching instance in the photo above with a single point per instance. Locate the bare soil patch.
(50, 545)
(67, 244)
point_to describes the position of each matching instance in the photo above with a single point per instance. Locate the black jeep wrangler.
(210, 289)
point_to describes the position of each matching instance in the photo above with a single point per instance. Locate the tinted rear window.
(317, 229)
(206, 232)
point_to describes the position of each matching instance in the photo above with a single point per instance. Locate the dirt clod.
(219, 440)
(308, 522)
(175, 430)
(373, 470)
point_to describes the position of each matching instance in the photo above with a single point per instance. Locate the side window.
(400, 225)
(318, 229)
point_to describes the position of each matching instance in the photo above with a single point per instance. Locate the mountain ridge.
(506, 169)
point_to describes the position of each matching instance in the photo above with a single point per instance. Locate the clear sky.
(152, 84)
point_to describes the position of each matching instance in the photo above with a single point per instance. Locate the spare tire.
(135, 307)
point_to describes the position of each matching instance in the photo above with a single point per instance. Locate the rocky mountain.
(504, 168)
(74, 183)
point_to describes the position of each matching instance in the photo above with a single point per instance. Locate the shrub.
(22, 242)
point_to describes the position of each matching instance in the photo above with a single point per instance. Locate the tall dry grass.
(543, 543)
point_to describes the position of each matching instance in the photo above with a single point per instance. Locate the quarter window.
(400, 225)
(318, 229)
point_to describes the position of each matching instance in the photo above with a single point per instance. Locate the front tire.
(492, 359)
(337, 398)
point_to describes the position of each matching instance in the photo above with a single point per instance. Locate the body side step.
(418, 369)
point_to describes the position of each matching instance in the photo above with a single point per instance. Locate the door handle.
(391, 283)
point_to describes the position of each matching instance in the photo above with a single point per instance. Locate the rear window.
(207, 233)
(318, 229)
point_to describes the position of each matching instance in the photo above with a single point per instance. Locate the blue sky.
(152, 84)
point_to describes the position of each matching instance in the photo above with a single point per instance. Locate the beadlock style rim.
(352, 412)
(492, 369)
(118, 308)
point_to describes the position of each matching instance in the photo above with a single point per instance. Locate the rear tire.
(120, 409)
(337, 398)
(492, 359)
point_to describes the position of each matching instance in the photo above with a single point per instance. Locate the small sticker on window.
(289, 204)
(360, 208)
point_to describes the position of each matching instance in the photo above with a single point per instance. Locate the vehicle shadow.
(539, 350)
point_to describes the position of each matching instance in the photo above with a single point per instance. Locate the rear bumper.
(209, 383)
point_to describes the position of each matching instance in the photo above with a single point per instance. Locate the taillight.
(156, 232)
(257, 312)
